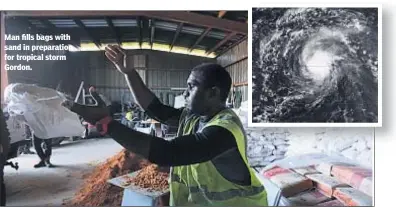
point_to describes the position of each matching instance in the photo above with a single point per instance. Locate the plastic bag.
(42, 110)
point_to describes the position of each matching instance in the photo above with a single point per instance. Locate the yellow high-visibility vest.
(202, 184)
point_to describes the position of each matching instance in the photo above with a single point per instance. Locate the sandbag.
(366, 158)
(255, 134)
(289, 182)
(326, 167)
(279, 153)
(309, 198)
(260, 151)
(282, 147)
(350, 153)
(370, 143)
(357, 177)
(331, 203)
(270, 158)
(42, 110)
(361, 145)
(307, 170)
(258, 161)
(280, 142)
(326, 184)
(352, 197)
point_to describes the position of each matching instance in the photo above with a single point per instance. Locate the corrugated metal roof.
(128, 30)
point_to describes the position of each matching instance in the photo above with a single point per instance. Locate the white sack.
(42, 110)
(361, 145)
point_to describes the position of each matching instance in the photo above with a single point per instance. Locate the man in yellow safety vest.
(208, 155)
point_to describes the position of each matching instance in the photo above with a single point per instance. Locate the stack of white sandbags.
(264, 145)
(242, 112)
(353, 143)
(302, 140)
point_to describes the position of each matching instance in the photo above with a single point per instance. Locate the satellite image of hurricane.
(315, 65)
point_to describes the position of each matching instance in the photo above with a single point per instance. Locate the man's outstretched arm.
(183, 150)
(142, 94)
(139, 90)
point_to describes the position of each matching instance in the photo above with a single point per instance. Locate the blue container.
(132, 198)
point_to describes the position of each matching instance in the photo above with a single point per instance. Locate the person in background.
(129, 114)
(129, 117)
(44, 152)
(229, 103)
(28, 133)
(237, 98)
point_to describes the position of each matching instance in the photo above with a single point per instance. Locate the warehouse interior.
(163, 47)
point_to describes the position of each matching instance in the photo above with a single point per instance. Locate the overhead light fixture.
(145, 45)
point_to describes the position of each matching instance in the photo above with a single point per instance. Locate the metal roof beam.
(113, 30)
(231, 46)
(179, 28)
(177, 16)
(139, 25)
(51, 26)
(82, 26)
(204, 33)
(222, 42)
(152, 32)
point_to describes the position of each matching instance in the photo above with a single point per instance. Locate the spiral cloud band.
(315, 65)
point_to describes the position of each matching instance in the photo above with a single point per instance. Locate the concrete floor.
(51, 186)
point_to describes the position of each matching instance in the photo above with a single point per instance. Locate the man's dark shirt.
(213, 143)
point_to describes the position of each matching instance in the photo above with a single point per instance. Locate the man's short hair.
(215, 75)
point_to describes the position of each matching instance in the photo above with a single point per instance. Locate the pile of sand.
(152, 178)
(96, 191)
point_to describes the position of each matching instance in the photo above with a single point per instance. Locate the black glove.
(99, 116)
(91, 114)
